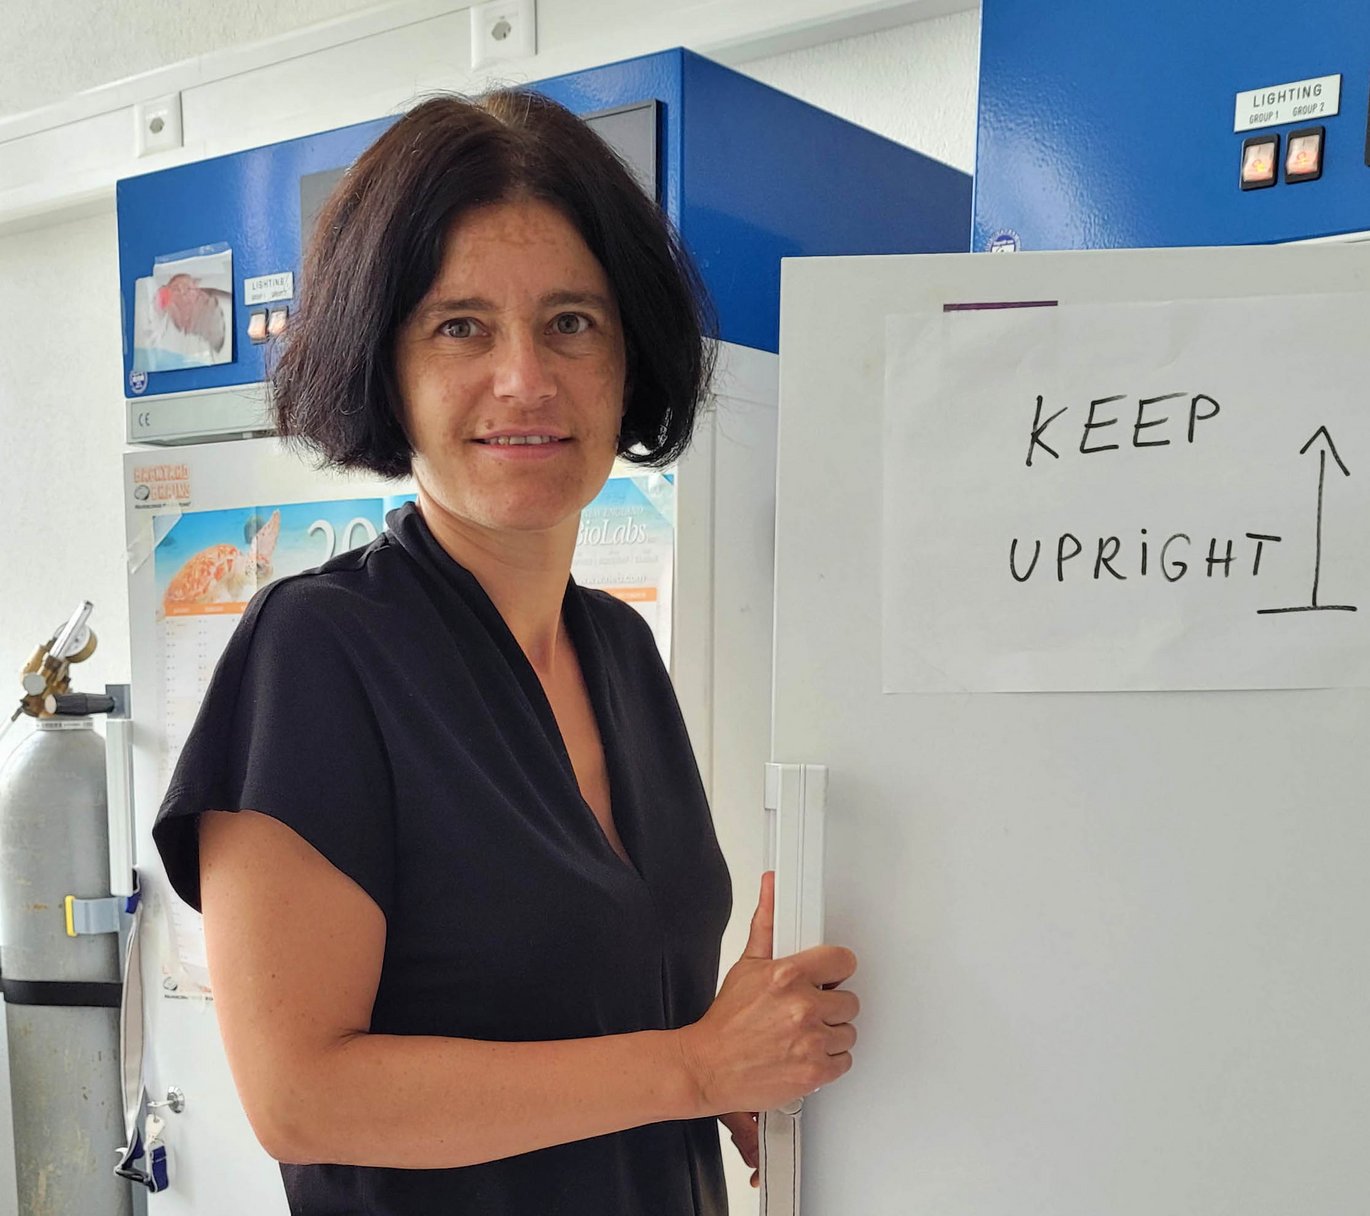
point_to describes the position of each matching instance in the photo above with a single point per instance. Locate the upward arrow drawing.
(1331, 447)
(1323, 449)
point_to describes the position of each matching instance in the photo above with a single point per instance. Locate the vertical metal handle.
(119, 791)
(796, 798)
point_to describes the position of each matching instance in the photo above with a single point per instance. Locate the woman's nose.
(522, 369)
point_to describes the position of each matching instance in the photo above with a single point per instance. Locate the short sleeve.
(287, 728)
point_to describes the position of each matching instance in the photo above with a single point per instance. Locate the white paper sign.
(1130, 496)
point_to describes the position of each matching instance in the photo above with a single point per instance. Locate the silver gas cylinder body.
(64, 1054)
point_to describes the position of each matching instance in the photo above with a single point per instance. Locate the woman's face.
(512, 370)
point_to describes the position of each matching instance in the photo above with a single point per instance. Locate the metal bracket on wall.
(796, 799)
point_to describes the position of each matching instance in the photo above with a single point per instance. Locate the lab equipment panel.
(1171, 123)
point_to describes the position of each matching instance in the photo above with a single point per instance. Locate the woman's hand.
(743, 1125)
(778, 1029)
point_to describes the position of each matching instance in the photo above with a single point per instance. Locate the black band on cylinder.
(89, 994)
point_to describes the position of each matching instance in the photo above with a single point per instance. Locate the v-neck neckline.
(407, 524)
(589, 659)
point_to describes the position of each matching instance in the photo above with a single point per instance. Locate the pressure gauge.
(74, 640)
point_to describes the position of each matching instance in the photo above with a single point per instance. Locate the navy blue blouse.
(381, 708)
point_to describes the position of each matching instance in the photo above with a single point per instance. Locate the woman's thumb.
(761, 940)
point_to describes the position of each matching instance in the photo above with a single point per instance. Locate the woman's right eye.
(459, 327)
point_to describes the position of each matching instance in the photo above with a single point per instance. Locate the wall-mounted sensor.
(1260, 161)
(503, 29)
(1303, 157)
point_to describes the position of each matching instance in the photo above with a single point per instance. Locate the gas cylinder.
(61, 992)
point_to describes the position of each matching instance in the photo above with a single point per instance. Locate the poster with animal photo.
(206, 567)
(213, 562)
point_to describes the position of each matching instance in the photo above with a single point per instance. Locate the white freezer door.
(1112, 943)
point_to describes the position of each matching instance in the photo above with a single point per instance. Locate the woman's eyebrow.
(465, 304)
(553, 299)
(561, 299)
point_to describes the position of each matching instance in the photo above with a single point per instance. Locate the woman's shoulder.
(366, 582)
(620, 627)
(608, 610)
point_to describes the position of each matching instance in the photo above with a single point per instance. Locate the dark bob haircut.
(378, 246)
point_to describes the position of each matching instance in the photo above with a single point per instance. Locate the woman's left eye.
(571, 323)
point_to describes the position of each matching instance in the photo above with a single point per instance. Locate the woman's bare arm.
(295, 950)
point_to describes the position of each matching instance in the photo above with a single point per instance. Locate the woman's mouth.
(521, 448)
(518, 440)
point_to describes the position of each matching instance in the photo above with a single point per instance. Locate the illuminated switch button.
(1303, 160)
(279, 316)
(256, 326)
(1260, 161)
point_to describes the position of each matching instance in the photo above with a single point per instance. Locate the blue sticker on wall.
(1005, 242)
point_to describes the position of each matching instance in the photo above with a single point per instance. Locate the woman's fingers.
(838, 1006)
(824, 966)
(778, 1028)
(842, 1063)
(742, 1125)
(841, 1039)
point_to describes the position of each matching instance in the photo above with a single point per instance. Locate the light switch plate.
(503, 29)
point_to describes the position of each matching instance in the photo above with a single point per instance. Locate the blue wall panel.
(654, 77)
(772, 177)
(249, 200)
(1111, 125)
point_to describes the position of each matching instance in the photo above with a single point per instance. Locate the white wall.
(916, 83)
(61, 434)
(61, 408)
(58, 47)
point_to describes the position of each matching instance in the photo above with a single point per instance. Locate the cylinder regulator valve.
(46, 677)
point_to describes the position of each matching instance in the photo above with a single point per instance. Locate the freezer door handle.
(119, 791)
(796, 797)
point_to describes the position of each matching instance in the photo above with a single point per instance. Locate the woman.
(462, 894)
